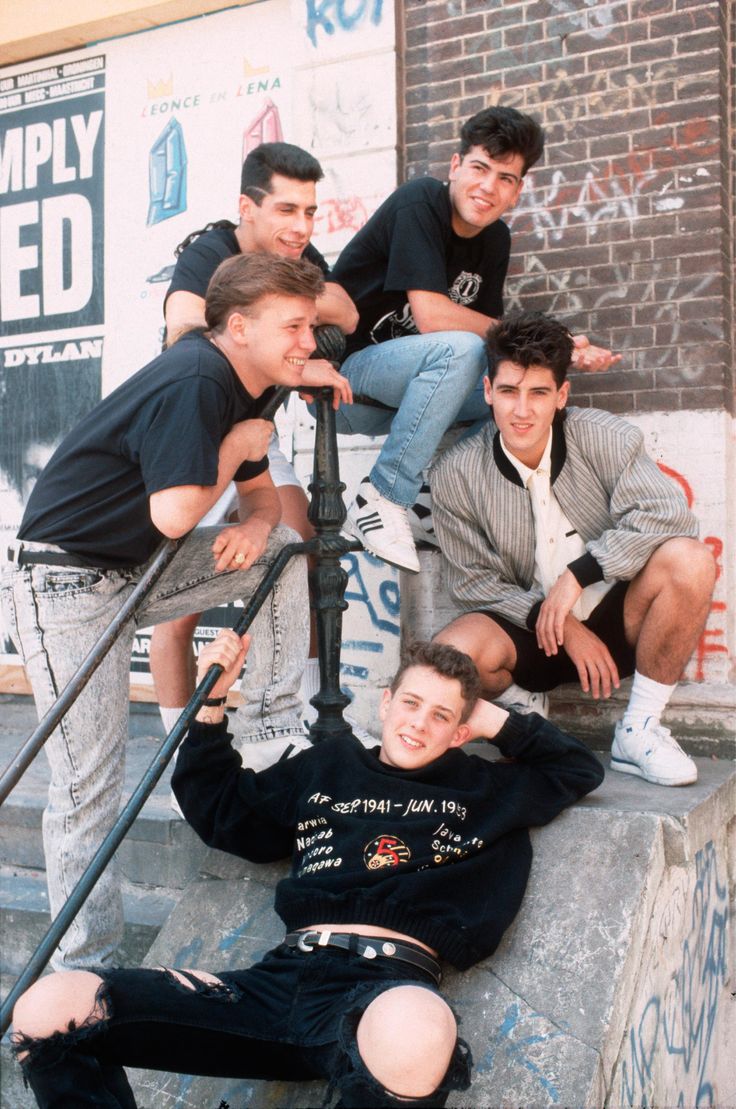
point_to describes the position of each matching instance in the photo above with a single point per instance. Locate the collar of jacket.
(557, 456)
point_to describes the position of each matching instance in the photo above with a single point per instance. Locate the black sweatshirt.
(441, 853)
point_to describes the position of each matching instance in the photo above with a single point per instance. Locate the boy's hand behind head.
(228, 650)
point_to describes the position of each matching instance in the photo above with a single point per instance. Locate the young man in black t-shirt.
(277, 207)
(426, 273)
(400, 855)
(147, 463)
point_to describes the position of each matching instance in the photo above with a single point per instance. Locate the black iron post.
(327, 579)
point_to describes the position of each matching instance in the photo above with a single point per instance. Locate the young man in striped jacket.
(573, 556)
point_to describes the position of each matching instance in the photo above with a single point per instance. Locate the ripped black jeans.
(292, 1016)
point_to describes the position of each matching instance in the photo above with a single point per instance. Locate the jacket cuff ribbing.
(586, 570)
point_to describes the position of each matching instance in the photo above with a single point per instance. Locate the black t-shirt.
(162, 428)
(199, 260)
(408, 243)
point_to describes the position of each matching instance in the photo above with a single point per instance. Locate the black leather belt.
(370, 947)
(22, 556)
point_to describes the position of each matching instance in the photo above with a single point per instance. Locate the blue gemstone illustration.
(167, 174)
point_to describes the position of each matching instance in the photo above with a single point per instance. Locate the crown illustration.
(253, 71)
(162, 87)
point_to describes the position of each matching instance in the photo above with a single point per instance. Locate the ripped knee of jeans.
(359, 1088)
(40, 1052)
(202, 983)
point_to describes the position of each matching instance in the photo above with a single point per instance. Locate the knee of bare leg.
(462, 634)
(57, 1003)
(406, 1038)
(705, 564)
(486, 643)
(690, 564)
(176, 631)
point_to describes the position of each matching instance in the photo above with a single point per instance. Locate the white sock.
(511, 695)
(310, 679)
(648, 700)
(170, 716)
(309, 687)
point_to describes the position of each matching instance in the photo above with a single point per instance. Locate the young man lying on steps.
(373, 900)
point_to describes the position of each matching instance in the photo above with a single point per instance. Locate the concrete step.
(612, 987)
(160, 849)
(13, 1094)
(25, 918)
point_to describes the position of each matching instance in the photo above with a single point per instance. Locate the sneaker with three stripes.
(382, 527)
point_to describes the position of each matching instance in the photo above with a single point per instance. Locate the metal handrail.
(27, 753)
(327, 512)
(138, 798)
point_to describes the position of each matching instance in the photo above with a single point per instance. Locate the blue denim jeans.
(431, 381)
(292, 1017)
(55, 615)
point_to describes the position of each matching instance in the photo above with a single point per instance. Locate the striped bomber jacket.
(614, 495)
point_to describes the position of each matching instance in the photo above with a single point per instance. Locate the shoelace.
(664, 735)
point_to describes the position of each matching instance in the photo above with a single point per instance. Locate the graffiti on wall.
(329, 16)
(519, 1038)
(712, 638)
(679, 1023)
(371, 625)
(568, 291)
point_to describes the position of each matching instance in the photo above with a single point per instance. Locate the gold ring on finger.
(239, 558)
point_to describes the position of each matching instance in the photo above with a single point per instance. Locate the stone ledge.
(633, 869)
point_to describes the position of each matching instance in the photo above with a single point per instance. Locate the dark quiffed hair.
(239, 283)
(276, 157)
(503, 131)
(530, 339)
(446, 661)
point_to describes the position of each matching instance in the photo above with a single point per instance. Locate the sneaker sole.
(354, 532)
(624, 767)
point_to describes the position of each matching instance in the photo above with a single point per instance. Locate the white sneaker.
(420, 518)
(521, 700)
(382, 527)
(651, 753)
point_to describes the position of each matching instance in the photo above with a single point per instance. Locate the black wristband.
(214, 702)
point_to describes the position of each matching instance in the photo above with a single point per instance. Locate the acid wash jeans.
(432, 381)
(55, 615)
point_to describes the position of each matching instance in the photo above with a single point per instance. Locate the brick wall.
(626, 229)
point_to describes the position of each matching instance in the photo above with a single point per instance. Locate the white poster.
(111, 156)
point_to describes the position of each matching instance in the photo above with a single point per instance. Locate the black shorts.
(538, 673)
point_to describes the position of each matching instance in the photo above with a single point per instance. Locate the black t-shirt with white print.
(409, 243)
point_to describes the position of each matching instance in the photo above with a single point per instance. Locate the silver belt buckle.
(303, 942)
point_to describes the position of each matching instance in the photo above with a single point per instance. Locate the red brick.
(618, 403)
(708, 373)
(660, 400)
(649, 8)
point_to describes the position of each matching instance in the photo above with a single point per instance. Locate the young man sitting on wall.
(574, 557)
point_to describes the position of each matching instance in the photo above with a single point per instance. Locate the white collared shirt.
(557, 543)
